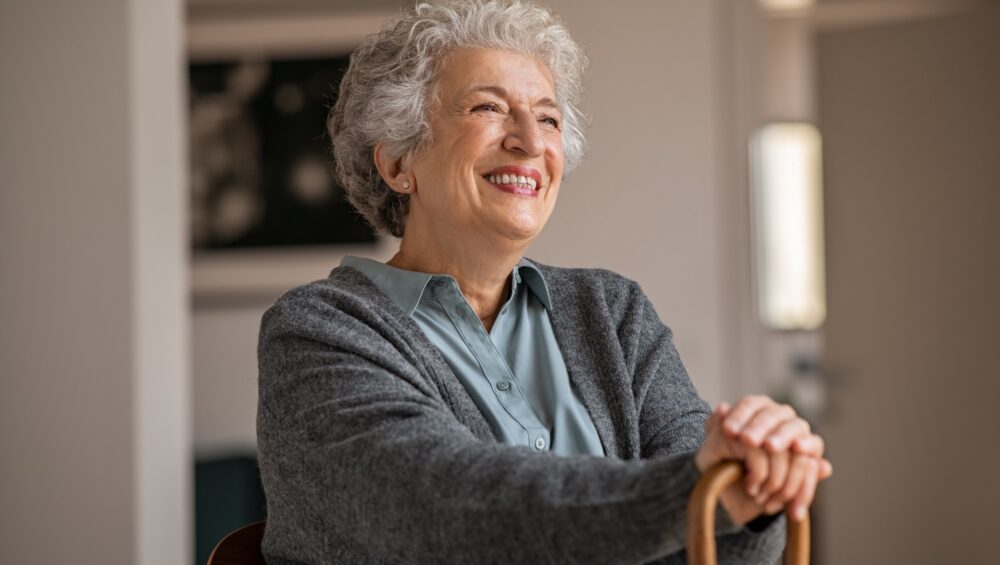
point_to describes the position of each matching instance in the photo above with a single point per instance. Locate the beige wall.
(94, 435)
(913, 191)
(658, 198)
(647, 200)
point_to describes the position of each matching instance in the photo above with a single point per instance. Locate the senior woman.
(463, 404)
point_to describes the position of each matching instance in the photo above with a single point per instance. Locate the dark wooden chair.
(240, 547)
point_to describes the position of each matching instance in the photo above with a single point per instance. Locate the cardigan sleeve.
(672, 421)
(362, 463)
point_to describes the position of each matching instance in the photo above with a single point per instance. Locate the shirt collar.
(405, 288)
(529, 273)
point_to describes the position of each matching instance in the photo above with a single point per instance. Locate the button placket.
(495, 369)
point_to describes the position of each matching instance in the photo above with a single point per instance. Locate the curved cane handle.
(701, 519)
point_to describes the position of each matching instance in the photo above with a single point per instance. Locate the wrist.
(700, 461)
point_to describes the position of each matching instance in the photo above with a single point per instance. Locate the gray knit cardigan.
(372, 452)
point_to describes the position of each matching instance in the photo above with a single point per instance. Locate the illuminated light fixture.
(786, 180)
(786, 5)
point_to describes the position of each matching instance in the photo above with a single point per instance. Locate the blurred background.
(809, 192)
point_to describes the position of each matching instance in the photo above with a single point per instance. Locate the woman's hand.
(783, 459)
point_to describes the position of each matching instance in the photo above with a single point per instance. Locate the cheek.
(477, 135)
(557, 151)
(465, 155)
(555, 157)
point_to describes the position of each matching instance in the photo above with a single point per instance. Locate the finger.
(742, 412)
(800, 506)
(781, 436)
(774, 504)
(797, 471)
(723, 409)
(811, 444)
(779, 464)
(825, 469)
(780, 497)
(712, 422)
(764, 421)
(717, 446)
(756, 463)
(717, 416)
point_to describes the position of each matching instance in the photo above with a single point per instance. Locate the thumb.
(716, 417)
(723, 409)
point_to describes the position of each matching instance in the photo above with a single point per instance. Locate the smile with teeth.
(515, 180)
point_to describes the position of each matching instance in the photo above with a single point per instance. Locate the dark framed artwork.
(261, 173)
(266, 212)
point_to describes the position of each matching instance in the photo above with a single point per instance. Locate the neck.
(482, 268)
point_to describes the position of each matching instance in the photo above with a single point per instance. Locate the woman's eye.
(554, 122)
(487, 106)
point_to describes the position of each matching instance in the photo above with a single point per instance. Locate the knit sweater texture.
(372, 452)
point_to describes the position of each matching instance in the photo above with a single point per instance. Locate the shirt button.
(503, 386)
(539, 443)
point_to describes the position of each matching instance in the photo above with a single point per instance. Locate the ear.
(392, 171)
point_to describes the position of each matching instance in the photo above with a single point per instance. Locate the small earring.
(406, 184)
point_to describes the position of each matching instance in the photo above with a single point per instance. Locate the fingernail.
(800, 513)
(754, 490)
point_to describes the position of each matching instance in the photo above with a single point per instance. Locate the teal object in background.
(227, 495)
(515, 373)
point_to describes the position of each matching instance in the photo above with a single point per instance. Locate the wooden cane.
(701, 519)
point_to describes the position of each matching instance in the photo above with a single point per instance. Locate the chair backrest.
(240, 547)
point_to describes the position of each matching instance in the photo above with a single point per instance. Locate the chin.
(517, 227)
(520, 232)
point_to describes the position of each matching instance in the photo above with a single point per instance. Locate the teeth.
(526, 182)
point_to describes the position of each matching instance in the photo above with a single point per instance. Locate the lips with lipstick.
(522, 178)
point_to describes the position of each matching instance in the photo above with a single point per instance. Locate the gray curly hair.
(388, 89)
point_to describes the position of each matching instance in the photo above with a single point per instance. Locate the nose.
(524, 134)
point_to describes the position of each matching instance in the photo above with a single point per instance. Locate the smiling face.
(494, 161)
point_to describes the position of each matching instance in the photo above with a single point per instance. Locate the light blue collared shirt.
(515, 373)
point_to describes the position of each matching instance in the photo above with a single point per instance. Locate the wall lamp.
(787, 202)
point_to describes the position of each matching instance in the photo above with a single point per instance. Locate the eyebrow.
(502, 92)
